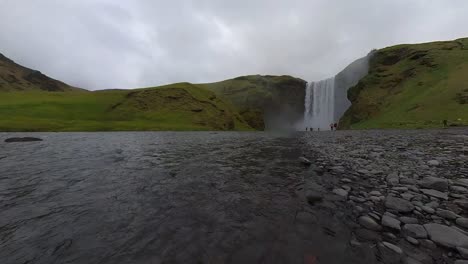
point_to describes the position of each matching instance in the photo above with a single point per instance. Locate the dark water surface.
(162, 198)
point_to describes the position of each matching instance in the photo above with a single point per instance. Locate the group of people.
(333, 127)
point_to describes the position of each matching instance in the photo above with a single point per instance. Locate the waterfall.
(319, 104)
(326, 101)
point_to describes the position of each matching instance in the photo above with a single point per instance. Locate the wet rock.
(375, 193)
(367, 235)
(461, 182)
(435, 183)
(458, 189)
(463, 252)
(391, 222)
(314, 197)
(369, 223)
(447, 214)
(462, 203)
(446, 236)
(408, 220)
(305, 161)
(435, 193)
(340, 192)
(412, 240)
(428, 244)
(427, 209)
(398, 204)
(433, 163)
(393, 179)
(22, 139)
(415, 230)
(390, 253)
(463, 222)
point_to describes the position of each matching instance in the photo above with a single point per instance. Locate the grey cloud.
(99, 44)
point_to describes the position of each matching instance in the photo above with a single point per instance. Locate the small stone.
(433, 163)
(463, 252)
(408, 220)
(346, 180)
(369, 223)
(398, 204)
(415, 230)
(393, 247)
(375, 193)
(428, 244)
(433, 204)
(314, 197)
(435, 193)
(305, 161)
(375, 216)
(393, 179)
(458, 189)
(412, 240)
(463, 222)
(375, 199)
(427, 209)
(391, 222)
(340, 192)
(462, 203)
(461, 182)
(447, 214)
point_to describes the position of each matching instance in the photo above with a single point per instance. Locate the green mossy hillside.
(262, 100)
(412, 86)
(173, 107)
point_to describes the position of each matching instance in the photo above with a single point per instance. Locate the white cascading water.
(319, 104)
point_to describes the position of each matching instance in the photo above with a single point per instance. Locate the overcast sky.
(98, 44)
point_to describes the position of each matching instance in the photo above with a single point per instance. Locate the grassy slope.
(412, 86)
(173, 107)
(252, 95)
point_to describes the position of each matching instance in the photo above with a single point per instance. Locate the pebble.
(408, 220)
(412, 240)
(463, 252)
(447, 214)
(433, 163)
(427, 209)
(305, 161)
(393, 247)
(391, 222)
(415, 230)
(314, 197)
(341, 192)
(435, 193)
(369, 223)
(463, 222)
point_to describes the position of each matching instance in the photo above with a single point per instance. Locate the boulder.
(446, 236)
(435, 183)
(22, 139)
(398, 204)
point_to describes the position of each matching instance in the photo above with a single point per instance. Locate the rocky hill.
(412, 86)
(14, 77)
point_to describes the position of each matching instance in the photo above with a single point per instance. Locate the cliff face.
(347, 78)
(412, 86)
(265, 102)
(14, 77)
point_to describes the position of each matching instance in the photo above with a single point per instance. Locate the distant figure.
(318, 129)
(311, 129)
(331, 126)
(336, 126)
(445, 123)
(306, 128)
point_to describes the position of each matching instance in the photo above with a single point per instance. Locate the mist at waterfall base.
(326, 101)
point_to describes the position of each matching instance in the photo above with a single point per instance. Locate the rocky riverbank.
(405, 192)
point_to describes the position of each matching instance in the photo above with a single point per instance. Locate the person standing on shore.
(336, 126)
(331, 126)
